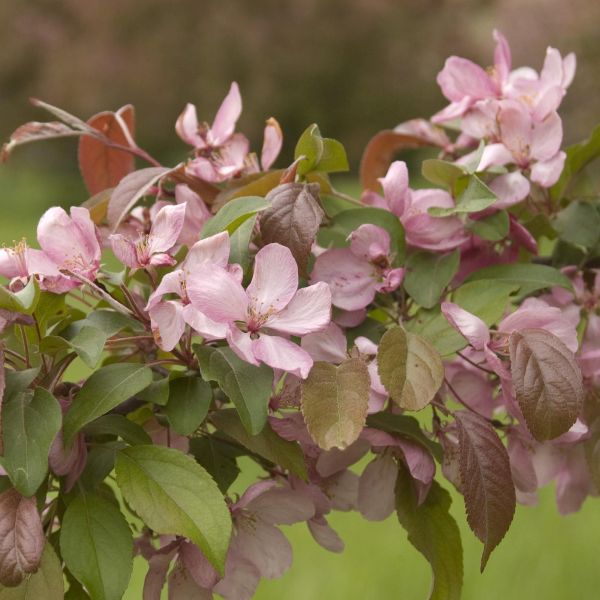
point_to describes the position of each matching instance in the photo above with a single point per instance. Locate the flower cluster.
(193, 315)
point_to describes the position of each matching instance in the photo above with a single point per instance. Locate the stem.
(135, 150)
(25, 346)
(14, 354)
(337, 194)
(475, 364)
(102, 293)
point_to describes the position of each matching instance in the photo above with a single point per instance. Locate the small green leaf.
(345, 222)
(335, 402)
(392, 354)
(442, 172)
(233, 214)
(240, 243)
(474, 198)
(105, 389)
(46, 583)
(118, 425)
(174, 495)
(189, 401)
(434, 533)
(88, 343)
(428, 274)
(579, 224)
(157, 392)
(333, 158)
(30, 422)
(266, 444)
(97, 546)
(493, 228)
(217, 458)
(23, 301)
(247, 386)
(310, 145)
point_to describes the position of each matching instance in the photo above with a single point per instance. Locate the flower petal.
(125, 251)
(395, 187)
(166, 228)
(229, 112)
(467, 324)
(272, 142)
(376, 489)
(243, 345)
(167, 323)
(328, 345)
(279, 353)
(187, 126)
(324, 535)
(370, 242)
(214, 249)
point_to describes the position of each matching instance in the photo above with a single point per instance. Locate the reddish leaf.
(102, 166)
(35, 132)
(487, 483)
(547, 381)
(380, 152)
(21, 537)
(293, 219)
(2, 388)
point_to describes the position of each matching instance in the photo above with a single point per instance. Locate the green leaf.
(157, 392)
(174, 495)
(105, 389)
(24, 301)
(345, 222)
(333, 159)
(488, 299)
(97, 546)
(310, 145)
(266, 444)
(392, 354)
(118, 425)
(428, 274)
(217, 458)
(493, 228)
(88, 343)
(249, 387)
(474, 198)
(529, 277)
(189, 401)
(30, 422)
(335, 402)
(579, 224)
(233, 214)
(240, 242)
(18, 381)
(109, 321)
(578, 156)
(442, 172)
(434, 533)
(45, 584)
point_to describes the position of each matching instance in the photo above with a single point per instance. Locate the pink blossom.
(272, 143)
(422, 230)
(169, 317)
(357, 273)
(271, 303)
(196, 215)
(152, 249)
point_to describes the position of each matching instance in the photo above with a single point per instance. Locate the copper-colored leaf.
(392, 355)
(335, 402)
(547, 381)
(35, 132)
(293, 219)
(21, 537)
(487, 483)
(101, 165)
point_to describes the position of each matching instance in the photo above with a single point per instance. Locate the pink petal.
(511, 188)
(187, 126)
(171, 283)
(328, 345)
(161, 259)
(573, 483)
(547, 138)
(158, 566)
(13, 263)
(569, 67)
(243, 345)
(166, 228)
(182, 585)
(461, 77)
(342, 490)
(548, 101)
(196, 214)
(515, 130)
(453, 111)
(370, 242)
(214, 249)
(207, 289)
(125, 251)
(197, 565)
(275, 279)
(395, 187)
(351, 279)
(199, 322)
(282, 506)
(167, 323)
(227, 116)
(273, 140)
(376, 489)
(467, 324)
(502, 57)
(241, 578)
(280, 353)
(481, 121)
(547, 173)
(494, 155)
(308, 311)
(324, 535)
(335, 460)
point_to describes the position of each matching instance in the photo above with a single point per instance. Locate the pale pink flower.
(196, 215)
(168, 318)
(357, 273)
(271, 303)
(153, 248)
(422, 230)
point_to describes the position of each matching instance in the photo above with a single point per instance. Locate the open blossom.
(466, 84)
(220, 152)
(357, 273)
(422, 230)
(272, 304)
(168, 318)
(153, 248)
(21, 262)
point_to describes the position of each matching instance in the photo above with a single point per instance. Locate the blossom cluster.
(226, 308)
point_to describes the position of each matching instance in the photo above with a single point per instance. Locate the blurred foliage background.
(354, 67)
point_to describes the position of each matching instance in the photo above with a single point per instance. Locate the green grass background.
(544, 556)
